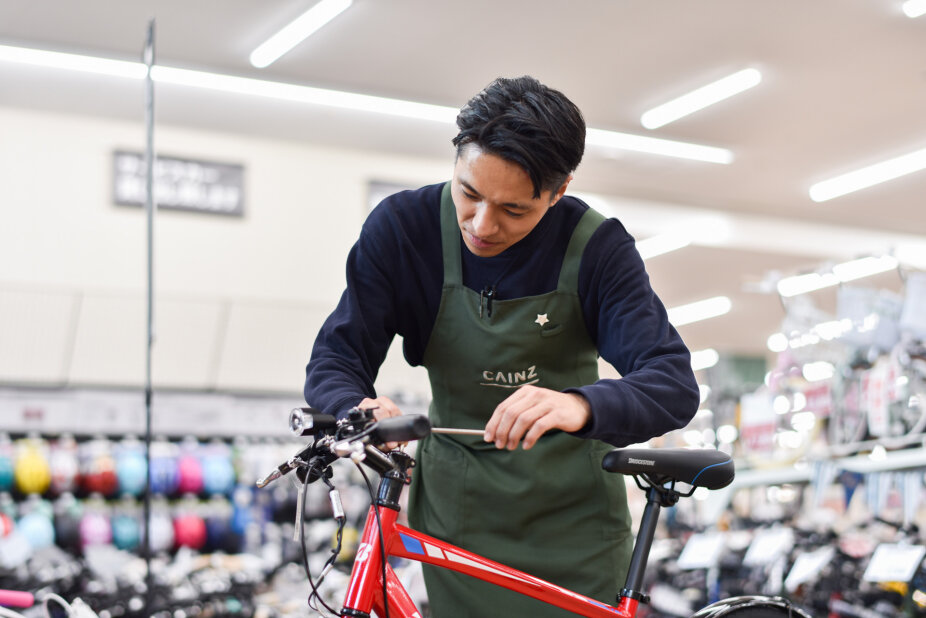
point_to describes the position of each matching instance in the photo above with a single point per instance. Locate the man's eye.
(515, 213)
(469, 196)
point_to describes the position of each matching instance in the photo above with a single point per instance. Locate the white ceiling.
(844, 86)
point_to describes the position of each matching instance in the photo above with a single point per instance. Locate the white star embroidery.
(541, 319)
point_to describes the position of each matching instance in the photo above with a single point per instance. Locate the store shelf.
(802, 473)
(119, 413)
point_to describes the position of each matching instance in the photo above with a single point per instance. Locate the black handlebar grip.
(309, 421)
(401, 428)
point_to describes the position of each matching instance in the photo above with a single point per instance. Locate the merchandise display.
(63, 462)
(6, 463)
(131, 467)
(89, 519)
(828, 505)
(31, 470)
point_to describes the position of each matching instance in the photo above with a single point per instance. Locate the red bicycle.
(374, 587)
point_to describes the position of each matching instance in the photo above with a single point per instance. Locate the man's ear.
(561, 191)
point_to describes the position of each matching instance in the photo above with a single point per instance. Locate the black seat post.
(656, 498)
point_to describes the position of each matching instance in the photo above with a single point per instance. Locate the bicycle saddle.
(696, 467)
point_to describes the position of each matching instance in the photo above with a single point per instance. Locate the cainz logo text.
(510, 379)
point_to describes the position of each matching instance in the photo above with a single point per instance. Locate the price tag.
(758, 422)
(808, 566)
(819, 399)
(877, 382)
(894, 563)
(702, 551)
(768, 545)
(913, 317)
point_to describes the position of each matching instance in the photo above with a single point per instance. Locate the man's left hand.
(532, 411)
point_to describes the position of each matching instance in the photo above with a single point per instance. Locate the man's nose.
(484, 222)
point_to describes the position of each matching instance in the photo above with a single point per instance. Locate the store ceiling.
(844, 86)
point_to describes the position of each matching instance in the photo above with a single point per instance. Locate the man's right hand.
(385, 408)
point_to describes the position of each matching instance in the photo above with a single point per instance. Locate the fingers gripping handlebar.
(357, 436)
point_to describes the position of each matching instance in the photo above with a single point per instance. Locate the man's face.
(494, 201)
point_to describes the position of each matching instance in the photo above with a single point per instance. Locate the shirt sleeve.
(394, 279)
(657, 391)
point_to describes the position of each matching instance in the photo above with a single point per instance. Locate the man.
(507, 291)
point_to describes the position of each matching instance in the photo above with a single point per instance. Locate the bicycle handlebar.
(358, 436)
(401, 428)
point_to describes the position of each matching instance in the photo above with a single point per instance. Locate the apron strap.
(569, 273)
(450, 239)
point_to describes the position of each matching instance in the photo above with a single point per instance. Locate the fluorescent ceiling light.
(297, 31)
(841, 273)
(701, 310)
(319, 96)
(303, 94)
(664, 243)
(868, 176)
(229, 84)
(802, 284)
(914, 8)
(653, 145)
(699, 99)
(73, 62)
(864, 267)
(704, 359)
(912, 254)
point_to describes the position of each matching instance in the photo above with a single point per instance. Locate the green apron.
(549, 511)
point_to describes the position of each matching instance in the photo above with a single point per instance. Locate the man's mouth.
(479, 242)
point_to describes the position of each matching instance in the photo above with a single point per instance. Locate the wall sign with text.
(180, 184)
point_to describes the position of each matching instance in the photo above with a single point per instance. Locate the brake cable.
(300, 527)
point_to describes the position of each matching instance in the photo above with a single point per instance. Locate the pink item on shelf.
(14, 598)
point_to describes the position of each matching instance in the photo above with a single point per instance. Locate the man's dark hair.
(526, 123)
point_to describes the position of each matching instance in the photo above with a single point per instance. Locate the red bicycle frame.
(374, 587)
(365, 591)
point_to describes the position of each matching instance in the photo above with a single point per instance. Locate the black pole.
(633, 587)
(150, 208)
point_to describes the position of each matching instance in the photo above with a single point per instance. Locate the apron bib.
(550, 511)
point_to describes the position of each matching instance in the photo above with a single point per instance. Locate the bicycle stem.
(394, 480)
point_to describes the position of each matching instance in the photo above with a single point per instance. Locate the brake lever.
(284, 468)
(287, 466)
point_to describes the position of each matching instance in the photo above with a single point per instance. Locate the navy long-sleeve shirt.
(394, 280)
